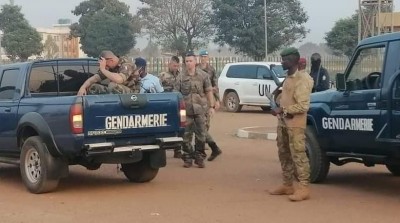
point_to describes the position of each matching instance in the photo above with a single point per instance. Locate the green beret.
(289, 51)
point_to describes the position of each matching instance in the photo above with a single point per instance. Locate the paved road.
(231, 189)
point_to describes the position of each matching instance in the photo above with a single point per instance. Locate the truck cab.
(358, 121)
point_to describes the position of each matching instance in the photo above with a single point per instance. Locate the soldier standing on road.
(122, 75)
(294, 103)
(319, 74)
(168, 80)
(149, 82)
(210, 70)
(197, 92)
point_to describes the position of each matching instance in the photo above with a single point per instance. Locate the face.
(111, 62)
(204, 59)
(190, 62)
(141, 71)
(302, 66)
(288, 62)
(173, 66)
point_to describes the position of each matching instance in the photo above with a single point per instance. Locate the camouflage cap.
(289, 51)
(203, 53)
(107, 54)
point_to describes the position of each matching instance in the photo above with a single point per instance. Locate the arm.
(158, 86)
(118, 78)
(93, 79)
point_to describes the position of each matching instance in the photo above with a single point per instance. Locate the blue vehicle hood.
(323, 96)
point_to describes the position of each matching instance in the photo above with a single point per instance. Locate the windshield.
(278, 70)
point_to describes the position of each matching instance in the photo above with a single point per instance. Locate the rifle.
(272, 101)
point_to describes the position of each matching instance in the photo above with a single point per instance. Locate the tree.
(104, 25)
(20, 40)
(178, 25)
(343, 38)
(240, 24)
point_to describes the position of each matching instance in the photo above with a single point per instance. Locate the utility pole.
(266, 31)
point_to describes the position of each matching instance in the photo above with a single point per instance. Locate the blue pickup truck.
(359, 121)
(45, 127)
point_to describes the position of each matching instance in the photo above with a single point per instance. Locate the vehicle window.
(278, 70)
(8, 84)
(242, 71)
(71, 78)
(263, 73)
(366, 71)
(64, 78)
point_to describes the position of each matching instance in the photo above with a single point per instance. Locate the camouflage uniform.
(295, 100)
(210, 70)
(168, 80)
(194, 89)
(130, 85)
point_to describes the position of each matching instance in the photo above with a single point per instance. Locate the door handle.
(236, 83)
(255, 84)
(7, 109)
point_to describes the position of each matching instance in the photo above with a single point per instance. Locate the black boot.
(216, 151)
(199, 155)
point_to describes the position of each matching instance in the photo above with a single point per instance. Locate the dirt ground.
(230, 189)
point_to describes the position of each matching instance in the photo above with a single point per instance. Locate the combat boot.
(301, 193)
(282, 190)
(177, 154)
(187, 163)
(199, 162)
(216, 151)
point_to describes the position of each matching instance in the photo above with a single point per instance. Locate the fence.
(331, 63)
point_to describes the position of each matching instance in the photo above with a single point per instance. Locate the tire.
(232, 102)
(139, 172)
(319, 162)
(394, 169)
(35, 166)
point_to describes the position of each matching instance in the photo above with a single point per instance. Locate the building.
(58, 43)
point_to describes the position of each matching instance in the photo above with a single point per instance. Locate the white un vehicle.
(245, 83)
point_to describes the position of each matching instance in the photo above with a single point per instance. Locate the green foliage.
(104, 25)
(343, 37)
(240, 24)
(20, 40)
(178, 25)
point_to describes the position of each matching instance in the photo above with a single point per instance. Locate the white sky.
(322, 13)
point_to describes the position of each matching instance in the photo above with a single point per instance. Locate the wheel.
(394, 169)
(232, 102)
(266, 108)
(139, 172)
(35, 166)
(319, 162)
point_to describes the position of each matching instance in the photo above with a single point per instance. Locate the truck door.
(9, 99)
(355, 121)
(265, 84)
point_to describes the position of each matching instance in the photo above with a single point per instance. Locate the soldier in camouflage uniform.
(168, 80)
(294, 103)
(210, 70)
(120, 74)
(196, 89)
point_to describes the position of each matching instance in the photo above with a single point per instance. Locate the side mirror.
(340, 82)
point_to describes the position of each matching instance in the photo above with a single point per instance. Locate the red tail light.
(76, 118)
(182, 113)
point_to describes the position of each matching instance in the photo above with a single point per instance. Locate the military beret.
(203, 52)
(289, 51)
(302, 60)
(140, 62)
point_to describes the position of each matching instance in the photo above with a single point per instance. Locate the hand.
(82, 91)
(102, 63)
(276, 111)
(217, 105)
(211, 112)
